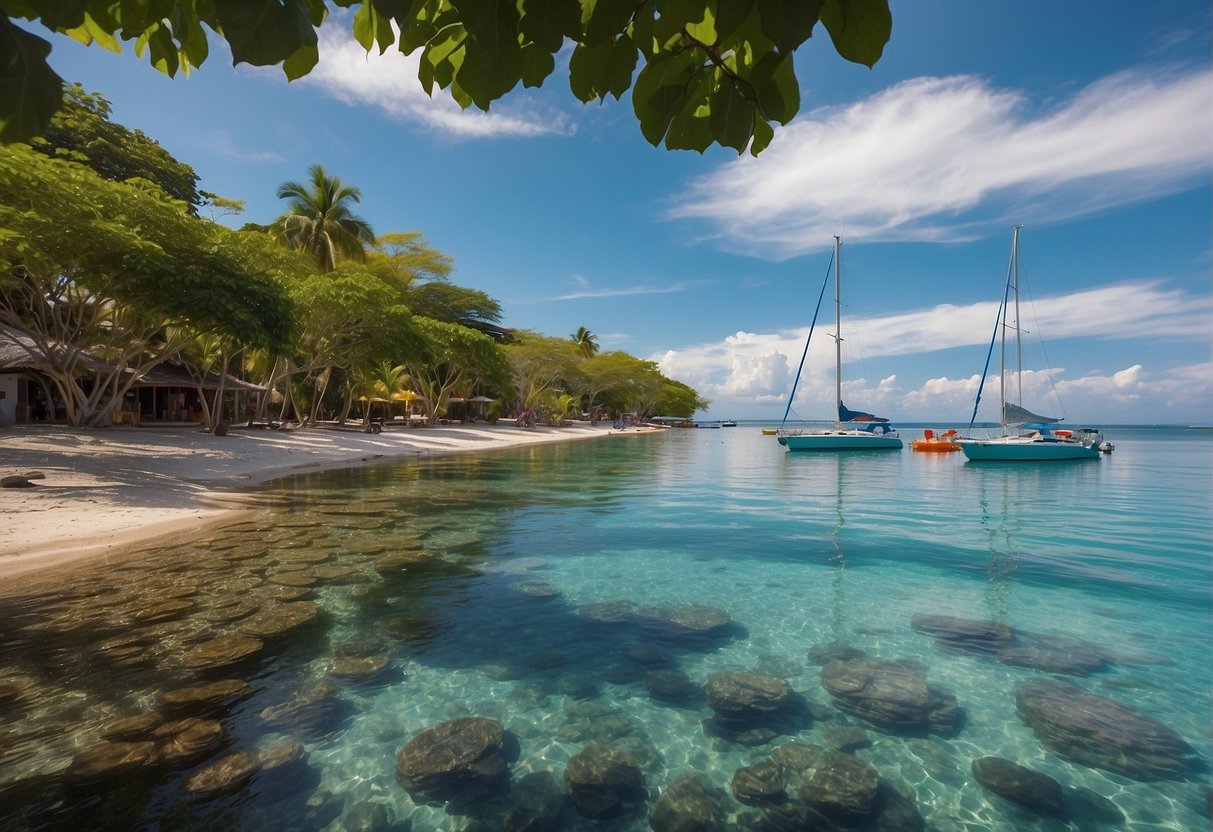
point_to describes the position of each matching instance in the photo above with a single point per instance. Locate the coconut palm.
(320, 222)
(586, 341)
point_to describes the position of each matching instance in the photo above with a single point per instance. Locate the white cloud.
(925, 160)
(748, 367)
(389, 81)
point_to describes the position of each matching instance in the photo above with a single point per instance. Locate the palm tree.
(320, 222)
(586, 341)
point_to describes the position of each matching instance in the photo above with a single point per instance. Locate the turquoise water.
(545, 595)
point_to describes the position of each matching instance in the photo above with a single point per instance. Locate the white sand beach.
(101, 491)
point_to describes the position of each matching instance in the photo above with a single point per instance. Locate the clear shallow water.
(542, 570)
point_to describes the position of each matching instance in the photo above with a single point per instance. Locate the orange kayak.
(944, 443)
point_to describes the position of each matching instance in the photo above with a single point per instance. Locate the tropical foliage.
(319, 221)
(104, 280)
(700, 71)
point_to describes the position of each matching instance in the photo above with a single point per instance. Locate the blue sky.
(1091, 127)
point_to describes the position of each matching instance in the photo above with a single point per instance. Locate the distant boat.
(1025, 436)
(873, 432)
(944, 443)
(728, 423)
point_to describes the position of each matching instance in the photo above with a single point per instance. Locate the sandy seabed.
(100, 491)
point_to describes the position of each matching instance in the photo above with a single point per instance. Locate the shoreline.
(110, 491)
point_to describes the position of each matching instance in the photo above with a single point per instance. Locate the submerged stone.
(187, 740)
(315, 714)
(223, 652)
(1011, 781)
(1054, 654)
(461, 758)
(277, 620)
(132, 728)
(1099, 732)
(108, 760)
(225, 774)
(214, 696)
(359, 668)
(536, 803)
(691, 804)
(841, 784)
(604, 782)
(763, 782)
(968, 636)
(892, 696)
(739, 696)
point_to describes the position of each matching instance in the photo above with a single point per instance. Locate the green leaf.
(302, 62)
(266, 32)
(789, 23)
(443, 57)
(774, 79)
(493, 63)
(660, 91)
(547, 23)
(602, 69)
(30, 91)
(690, 128)
(604, 19)
(732, 117)
(372, 28)
(763, 133)
(859, 28)
(537, 65)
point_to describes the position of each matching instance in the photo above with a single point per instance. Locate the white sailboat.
(872, 432)
(1024, 436)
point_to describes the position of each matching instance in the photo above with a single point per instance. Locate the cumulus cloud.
(931, 159)
(389, 82)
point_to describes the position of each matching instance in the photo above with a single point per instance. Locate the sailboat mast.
(838, 332)
(1018, 330)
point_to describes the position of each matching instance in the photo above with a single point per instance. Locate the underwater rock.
(1084, 803)
(108, 760)
(1099, 732)
(460, 758)
(337, 575)
(892, 696)
(783, 667)
(841, 784)
(186, 740)
(763, 782)
(359, 668)
(1054, 654)
(672, 686)
(691, 804)
(132, 728)
(740, 696)
(212, 697)
(797, 757)
(699, 618)
(604, 782)
(315, 713)
(293, 578)
(225, 774)
(222, 653)
(281, 759)
(539, 590)
(1011, 781)
(222, 614)
(968, 636)
(536, 803)
(276, 620)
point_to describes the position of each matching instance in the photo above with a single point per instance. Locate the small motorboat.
(944, 443)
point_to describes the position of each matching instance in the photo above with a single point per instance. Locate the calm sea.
(544, 587)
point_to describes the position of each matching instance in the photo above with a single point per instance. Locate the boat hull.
(1019, 450)
(840, 441)
(934, 446)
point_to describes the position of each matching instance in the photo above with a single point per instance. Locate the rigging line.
(803, 355)
(998, 322)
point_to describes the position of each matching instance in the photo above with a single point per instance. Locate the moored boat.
(944, 443)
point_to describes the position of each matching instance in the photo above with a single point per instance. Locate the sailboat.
(868, 432)
(1024, 436)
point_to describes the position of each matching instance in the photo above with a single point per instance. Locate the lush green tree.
(319, 220)
(710, 71)
(82, 131)
(379, 382)
(586, 341)
(542, 365)
(99, 274)
(453, 304)
(677, 399)
(348, 318)
(405, 260)
(455, 358)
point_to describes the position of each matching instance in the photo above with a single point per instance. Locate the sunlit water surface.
(540, 586)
